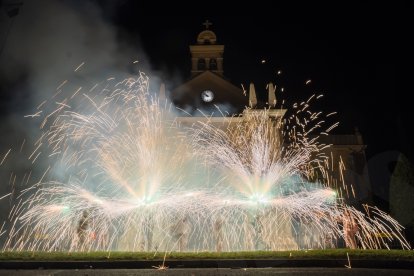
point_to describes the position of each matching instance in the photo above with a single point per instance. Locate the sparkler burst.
(125, 175)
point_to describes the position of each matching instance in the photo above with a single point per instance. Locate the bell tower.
(206, 55)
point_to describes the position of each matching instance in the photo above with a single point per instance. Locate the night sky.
(355, 54)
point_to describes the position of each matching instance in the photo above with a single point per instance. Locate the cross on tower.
(207, 24)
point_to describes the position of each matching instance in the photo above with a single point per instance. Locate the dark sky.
(354, 53)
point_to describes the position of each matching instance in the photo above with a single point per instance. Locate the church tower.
(206, 54)
(208, 91)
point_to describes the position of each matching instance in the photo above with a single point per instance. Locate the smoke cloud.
(43, 45)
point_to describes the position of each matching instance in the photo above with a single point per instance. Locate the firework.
(126, 174)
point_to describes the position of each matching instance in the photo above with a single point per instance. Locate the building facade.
(208, 95)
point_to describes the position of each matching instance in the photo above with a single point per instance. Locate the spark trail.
(125, 175)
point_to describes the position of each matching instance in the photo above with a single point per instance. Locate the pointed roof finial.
(252, 96)
(162, 92)
(272, 95)
(207, 24)
(358, 136)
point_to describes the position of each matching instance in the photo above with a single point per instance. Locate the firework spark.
(125, 175)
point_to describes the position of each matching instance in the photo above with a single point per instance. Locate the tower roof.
(207, 36)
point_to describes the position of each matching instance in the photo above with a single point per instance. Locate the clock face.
(207, 96)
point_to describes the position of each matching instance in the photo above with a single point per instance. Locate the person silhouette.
(350, 228)
(83, 228)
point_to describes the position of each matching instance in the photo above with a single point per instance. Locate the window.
(201, 64)
(213, 64)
